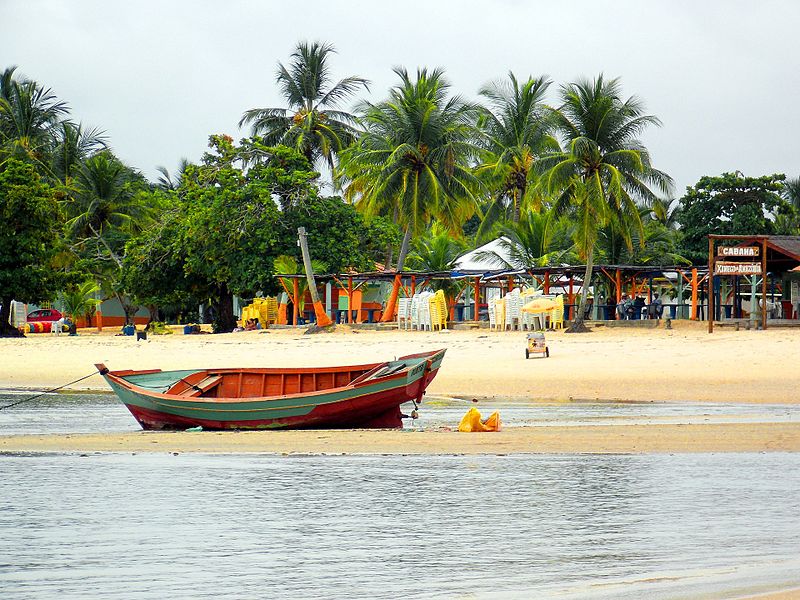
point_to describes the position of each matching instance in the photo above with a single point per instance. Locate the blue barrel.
(128, 329)
(187, 330)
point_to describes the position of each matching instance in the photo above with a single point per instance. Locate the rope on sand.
(46, 392)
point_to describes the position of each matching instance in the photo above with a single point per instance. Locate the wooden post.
(476, 309)
(572, 298)
(413, 284)
(296, 309)
(349, 299)
(764, 283)
(547, 283)
(693, 315)
(323, 320)
(510, 282)
(711, 284)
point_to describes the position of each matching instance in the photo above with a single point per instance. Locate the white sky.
(160, 76)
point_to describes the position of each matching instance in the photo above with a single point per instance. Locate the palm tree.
(171, 182)
(105, 203)
(412, 162)
(29, 113)
(312, 123)
(605, 172)
(73, 144)
(81, 300)
(438, 251)
(516, 129)
(537, 240)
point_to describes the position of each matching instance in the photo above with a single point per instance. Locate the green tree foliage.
(516, 130)
(313, 123)
(438, 250)
(536, 240)
(30, 219)
(29, 116)
(727, 205)
(80, 300)
(605, 172)
(413, 162)
(337, 233)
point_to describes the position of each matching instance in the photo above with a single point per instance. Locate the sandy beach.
(682, 364)
(610, 364)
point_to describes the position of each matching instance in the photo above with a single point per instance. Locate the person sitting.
(656, 308)
(251, 325)
(622, 307)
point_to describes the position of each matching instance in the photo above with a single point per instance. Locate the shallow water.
(95, 413)
(198, 526)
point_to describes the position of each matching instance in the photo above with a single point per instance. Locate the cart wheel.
(527, 353)
(547, 352)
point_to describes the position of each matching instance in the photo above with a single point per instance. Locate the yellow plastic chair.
(499, 315)
(441, 305)
(557, 313)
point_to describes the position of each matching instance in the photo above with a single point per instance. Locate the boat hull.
(366, 404)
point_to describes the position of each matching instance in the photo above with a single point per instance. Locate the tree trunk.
(391, 304)
(517, 204)
(577, 325)
(129, 309)
(323, 320)
(224, 319)
(6, 328)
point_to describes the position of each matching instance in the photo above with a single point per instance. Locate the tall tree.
(29, 115)
(604, 173)
(516, 130)
(29, 213)
(110, 203)
(729, 204)
(313, 123)
(413, 161)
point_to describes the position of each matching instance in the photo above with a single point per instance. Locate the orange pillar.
(99, 316)
(391, 304)
(693, 315)
(349, 300)
(546, 282)
(413, 284)
(510, 282)
(296, 301)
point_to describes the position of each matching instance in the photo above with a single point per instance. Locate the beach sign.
(737, 268)
(738, 251)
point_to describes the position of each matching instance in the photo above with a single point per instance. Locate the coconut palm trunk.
(323, 320)
(577, 325)
(391, 304)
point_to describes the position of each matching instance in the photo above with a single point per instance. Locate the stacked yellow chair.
(438, 304)
(557, 313)
(263, 309)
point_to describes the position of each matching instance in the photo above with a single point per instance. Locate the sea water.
(156, 526)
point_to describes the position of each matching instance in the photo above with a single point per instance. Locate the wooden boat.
(303, 398)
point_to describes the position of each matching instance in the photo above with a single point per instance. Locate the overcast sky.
(161, 76)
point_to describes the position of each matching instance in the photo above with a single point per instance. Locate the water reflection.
(156, 526)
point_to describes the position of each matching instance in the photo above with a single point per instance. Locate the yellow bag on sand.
(472, 421)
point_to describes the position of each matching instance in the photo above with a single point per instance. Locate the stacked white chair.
(424, 312)
(404, 313)
(513, 310)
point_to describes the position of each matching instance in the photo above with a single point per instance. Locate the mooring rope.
(46, 392)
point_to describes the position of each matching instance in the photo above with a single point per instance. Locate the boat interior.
(256, 383)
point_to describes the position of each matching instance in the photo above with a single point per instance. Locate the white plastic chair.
(513, 309)
(424, 312)
(404, 313)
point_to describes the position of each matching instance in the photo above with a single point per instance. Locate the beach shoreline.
(557, 439)
(609, 364)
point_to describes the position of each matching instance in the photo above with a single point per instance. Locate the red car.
(44, 314)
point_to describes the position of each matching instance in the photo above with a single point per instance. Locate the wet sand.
(600, 439)
(682, 364)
